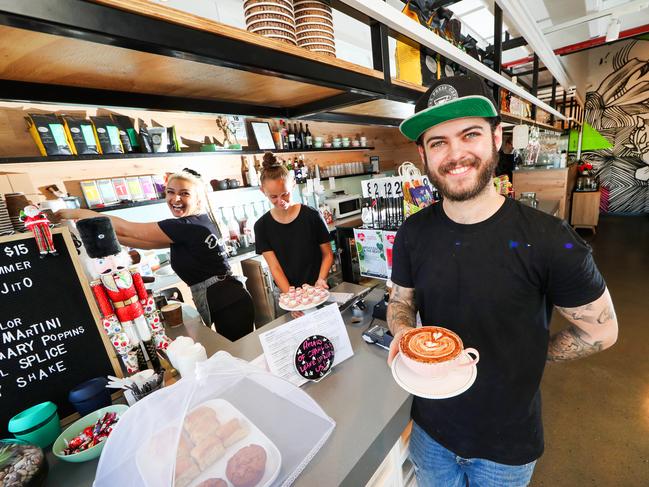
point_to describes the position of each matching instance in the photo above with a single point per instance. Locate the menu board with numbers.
(50, 336)
(391, 187)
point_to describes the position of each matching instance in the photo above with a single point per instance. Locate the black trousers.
(234, 320)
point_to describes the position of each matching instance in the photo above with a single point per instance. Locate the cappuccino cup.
(433, 351)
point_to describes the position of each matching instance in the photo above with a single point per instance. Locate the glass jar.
(529, 199)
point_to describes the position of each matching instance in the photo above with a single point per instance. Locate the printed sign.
(371, 252)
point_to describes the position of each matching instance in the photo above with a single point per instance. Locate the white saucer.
(451, 385)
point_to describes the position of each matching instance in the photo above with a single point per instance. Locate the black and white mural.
(619, 110)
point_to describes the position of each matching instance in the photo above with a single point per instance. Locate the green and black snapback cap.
(448, 99)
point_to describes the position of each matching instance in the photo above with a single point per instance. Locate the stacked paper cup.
(314, 26)
(271, 18)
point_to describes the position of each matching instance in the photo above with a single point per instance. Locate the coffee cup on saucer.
(433, 351)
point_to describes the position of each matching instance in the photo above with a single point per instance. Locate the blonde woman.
(292, 237)
(198, 255)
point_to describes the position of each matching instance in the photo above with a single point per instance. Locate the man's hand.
(394, 346)
(400, 316)
(593, 328)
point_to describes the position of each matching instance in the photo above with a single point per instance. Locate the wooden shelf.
(508, 117)
(138, 155)
(145, 55)
(324, 178)
(132, 204)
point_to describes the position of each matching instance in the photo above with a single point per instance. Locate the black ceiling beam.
(326, 104)
(509, 73)
(98, 23)
(380, 50)
(26, 91)
(509, 44)
(530, 71)
(497, 51)
(535, 83)
(353, 118)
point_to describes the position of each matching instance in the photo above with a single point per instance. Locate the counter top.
(551, 207)
(369, 408)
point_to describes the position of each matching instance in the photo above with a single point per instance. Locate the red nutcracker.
(119, 290)
(37, 222)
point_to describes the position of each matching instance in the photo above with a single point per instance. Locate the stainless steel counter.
(369, 408)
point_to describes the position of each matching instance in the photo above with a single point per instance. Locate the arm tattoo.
(401, 310)
(570, 344)
(589, 314)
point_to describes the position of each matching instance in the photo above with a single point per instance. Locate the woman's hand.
(74, 214)
(321, 283)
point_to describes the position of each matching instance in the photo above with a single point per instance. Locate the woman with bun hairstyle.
(198, 254)
(292, 237)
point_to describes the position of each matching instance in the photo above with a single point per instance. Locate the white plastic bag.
(203, 426)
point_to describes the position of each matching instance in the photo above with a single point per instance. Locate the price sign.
(50, 339)
(371, 187)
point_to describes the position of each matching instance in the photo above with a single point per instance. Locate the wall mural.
(619, 110)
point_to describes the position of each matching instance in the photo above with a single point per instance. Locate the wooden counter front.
(549, 184)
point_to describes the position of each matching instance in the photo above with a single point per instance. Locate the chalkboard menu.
(50, 338)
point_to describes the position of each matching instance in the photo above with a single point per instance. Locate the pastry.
(186, 471)
(226, 429)
(213, 483)
(184, 446)
(239, 434)
(247, 466)
(201, 424)
(208, 451)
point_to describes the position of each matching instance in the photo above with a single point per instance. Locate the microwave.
(345, 205)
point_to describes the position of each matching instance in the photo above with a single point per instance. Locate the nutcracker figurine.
(37, 222)
(129, 314)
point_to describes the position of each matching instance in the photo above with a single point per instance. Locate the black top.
(296, 244)
(197, 251)
(494, 283)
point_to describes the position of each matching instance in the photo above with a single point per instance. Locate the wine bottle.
(297, 171)
(302, 136)
(245, 175)
(291, 137)
(298, 141)
(308, 138)
(283, 135)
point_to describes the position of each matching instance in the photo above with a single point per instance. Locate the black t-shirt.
(296, 244)
(197, 251)
(494, 283)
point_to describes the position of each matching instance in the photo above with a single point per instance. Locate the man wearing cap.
(491, 270)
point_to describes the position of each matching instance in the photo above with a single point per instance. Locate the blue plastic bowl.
(90, 396)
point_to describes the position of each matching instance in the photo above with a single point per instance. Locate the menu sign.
(49, 335)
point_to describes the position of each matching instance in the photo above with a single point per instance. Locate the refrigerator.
(261, 287)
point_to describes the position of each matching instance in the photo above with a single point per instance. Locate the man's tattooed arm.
(401, 309)
(593, 327)
(401, 315)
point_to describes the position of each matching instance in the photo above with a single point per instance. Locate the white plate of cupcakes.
(302, 298)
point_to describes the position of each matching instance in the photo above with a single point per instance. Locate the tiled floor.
(596, 410)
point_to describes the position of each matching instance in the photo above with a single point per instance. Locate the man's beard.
(485, 175)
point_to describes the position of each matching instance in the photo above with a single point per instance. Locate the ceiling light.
(613, 31)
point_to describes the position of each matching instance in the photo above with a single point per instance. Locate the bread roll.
(236, 436)
(186, 471)
(201, 424)
(208, 451)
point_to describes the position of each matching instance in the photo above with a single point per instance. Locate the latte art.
(430, 344)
